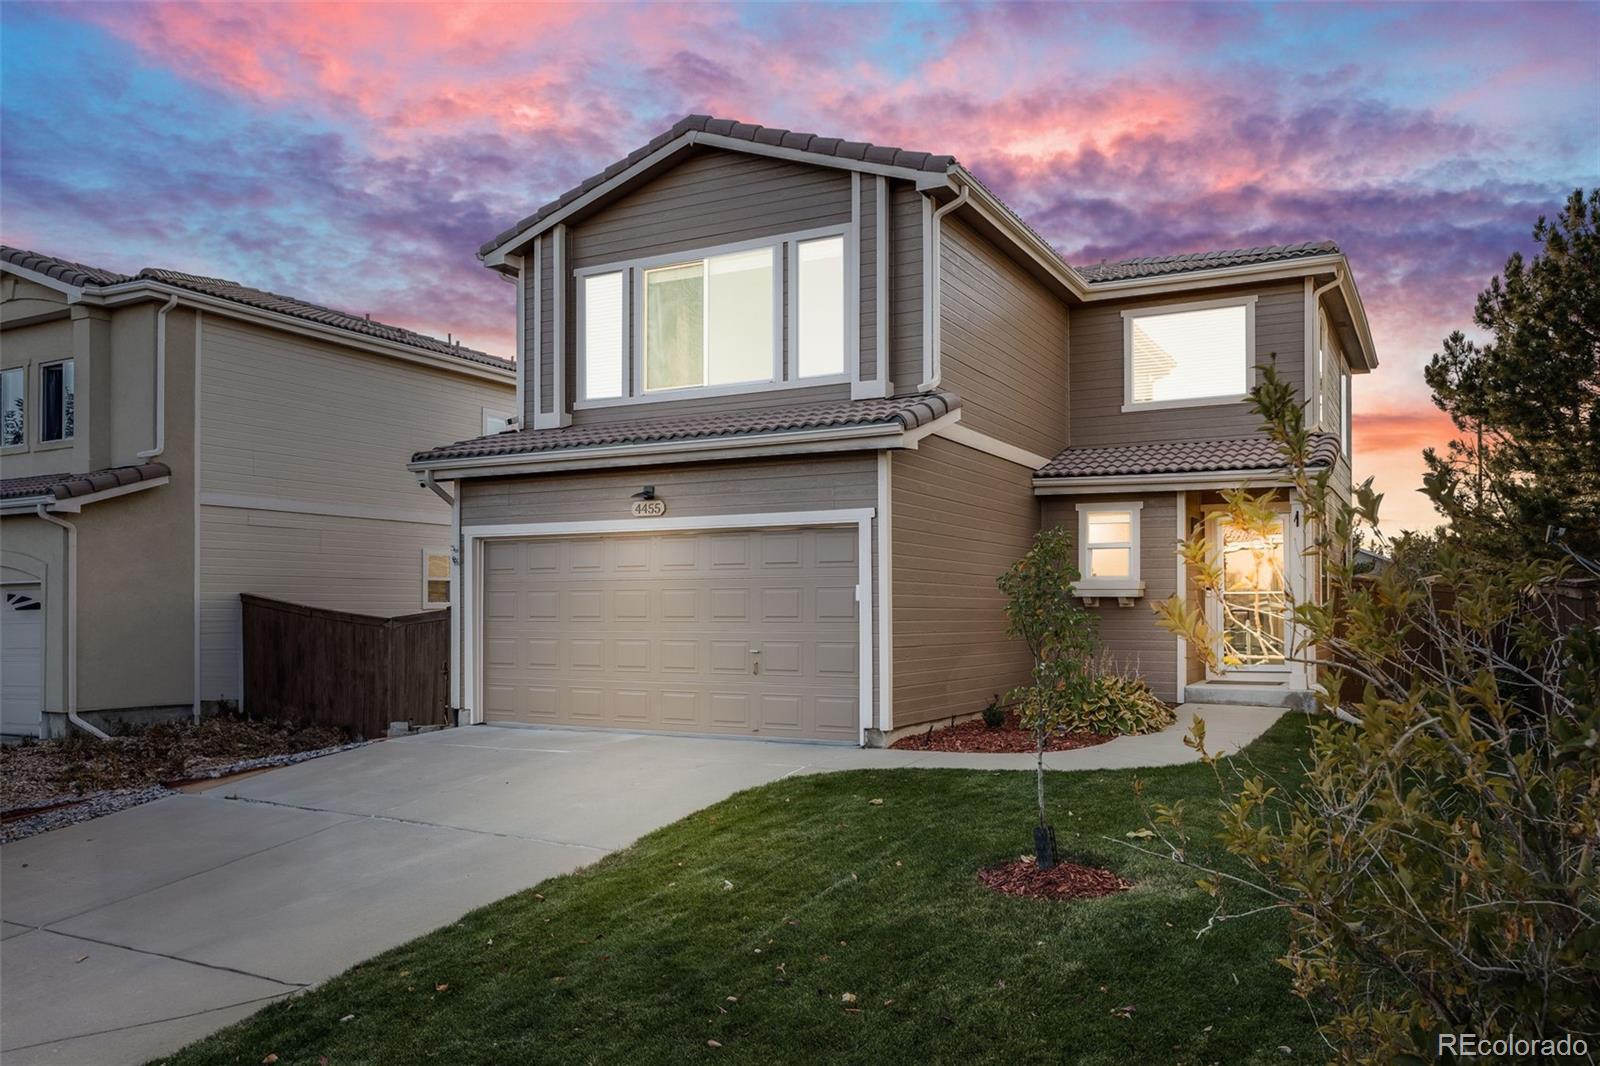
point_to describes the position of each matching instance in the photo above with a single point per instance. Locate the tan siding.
(346, 564)
(960, 517)
(547, 323)
(713, 198)
(297, 419)
(905, 287)
(1097, 370)
(1004, 341)
(1130, 634)
(312, 425)
(812, 484)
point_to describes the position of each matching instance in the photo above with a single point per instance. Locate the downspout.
(69, 596)
(161, 379)
(435, 488)
(934, 367)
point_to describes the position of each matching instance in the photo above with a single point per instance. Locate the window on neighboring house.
(603, 336)
(495, 421)
(1189, 355)
(435, 578)
(820, 325)
(710, 322)
(13, 407)
(56, 402)
(1108, 547)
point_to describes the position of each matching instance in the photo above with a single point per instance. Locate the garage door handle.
(755, 660)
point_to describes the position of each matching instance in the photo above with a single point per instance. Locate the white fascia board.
(146, 289)
(74, 504)
(496, 256)
(851, 438)
(73, 292)
(1207, 479)
(982, 442)
(26, 504)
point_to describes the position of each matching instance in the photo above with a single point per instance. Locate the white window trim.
(1346, 401)
(40, 441)
(1128, 318)
(783, 376)
(791, 366)
(27, 411)
(443, 550)
(1132, 585)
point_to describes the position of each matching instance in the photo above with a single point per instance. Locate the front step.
(1297, 699)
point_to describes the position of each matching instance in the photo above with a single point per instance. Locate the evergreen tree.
(1527, 401)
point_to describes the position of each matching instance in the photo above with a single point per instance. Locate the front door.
(1250, 615)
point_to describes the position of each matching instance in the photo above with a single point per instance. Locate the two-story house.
(170, 441)
(792, 403)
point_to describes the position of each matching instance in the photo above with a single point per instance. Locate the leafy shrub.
(994, 715)
(1438, 865)
(1122, 704)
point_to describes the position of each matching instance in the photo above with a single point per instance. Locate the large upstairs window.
(714, 321)
(710, 321)
(1188, 355)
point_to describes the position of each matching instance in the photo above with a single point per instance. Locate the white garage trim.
(471, 586)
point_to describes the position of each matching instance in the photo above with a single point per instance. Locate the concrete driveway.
(126, 937)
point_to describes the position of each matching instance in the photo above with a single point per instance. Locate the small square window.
(57, 401)
(435, 578)
(1108, 549)
(1188, 355)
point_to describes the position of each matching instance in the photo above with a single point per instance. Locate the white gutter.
(932, 367)
(69, 596)
(161, 379)
(433, 487)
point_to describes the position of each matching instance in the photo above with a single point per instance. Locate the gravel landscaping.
(52, 783)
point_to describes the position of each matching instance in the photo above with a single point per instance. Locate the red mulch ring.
(973, 735)
(1066, 880)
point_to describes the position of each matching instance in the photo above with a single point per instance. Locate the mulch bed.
(974, 735)
(50, 772)
(1065, 881)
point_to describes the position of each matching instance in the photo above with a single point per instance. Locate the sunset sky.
(357, 155)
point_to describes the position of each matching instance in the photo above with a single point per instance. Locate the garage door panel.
(657, 631)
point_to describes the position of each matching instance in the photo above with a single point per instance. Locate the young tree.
(1527, 402)
(1042, 609)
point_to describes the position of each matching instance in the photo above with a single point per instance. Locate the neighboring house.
(792, 403)
(171, 441)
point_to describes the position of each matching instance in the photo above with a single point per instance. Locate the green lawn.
(648, 954)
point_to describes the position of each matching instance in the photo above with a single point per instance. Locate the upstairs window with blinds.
(1188, 356)
(604, 333)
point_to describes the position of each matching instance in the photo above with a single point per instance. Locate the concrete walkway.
(126, 937)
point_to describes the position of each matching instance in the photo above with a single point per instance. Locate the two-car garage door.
(748, 632)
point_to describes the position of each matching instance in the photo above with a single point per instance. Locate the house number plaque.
(649, 508)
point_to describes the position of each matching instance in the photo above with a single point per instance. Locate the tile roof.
(886, 155)
(1181, 457)
(908, 412)
(1156, 265)
(78, 274)
(70, 486)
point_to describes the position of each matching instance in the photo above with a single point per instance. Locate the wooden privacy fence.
(341, 669)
